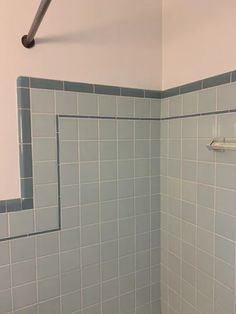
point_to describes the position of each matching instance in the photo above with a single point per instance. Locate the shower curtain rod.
(28, 40)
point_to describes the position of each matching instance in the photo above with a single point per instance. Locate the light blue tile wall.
(198, 211)
(102, 177)
(102, 192)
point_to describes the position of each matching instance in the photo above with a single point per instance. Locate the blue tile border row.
(30, 82)
(213, 81)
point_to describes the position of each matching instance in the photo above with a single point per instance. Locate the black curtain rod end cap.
(25, 42)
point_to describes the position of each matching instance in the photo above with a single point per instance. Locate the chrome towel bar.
(221, 145)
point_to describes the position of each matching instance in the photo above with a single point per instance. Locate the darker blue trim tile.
(105, 117)
(14, 205)
(27, 203)
(191, 87)
(26, 200)
(45, 231)
(152, 94)
(170, 92)
(3, 207)
(29, 234)
(107, 90)
(132, 92)
(23, 98)
(86, 117)
(23, 81)
(46, 84)
(78, 87)
(26, 161)
(27, 188)
(233, 79)
(24, 126)
(217, 80)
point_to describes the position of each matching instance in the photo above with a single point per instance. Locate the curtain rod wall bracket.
(28, 40)
(26, 43)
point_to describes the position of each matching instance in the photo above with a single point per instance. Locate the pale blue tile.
(205, 195)
(226, 97)
(107, 106)
(207, 100)
(224, 249)
(175, 106)
(225, 226)
(66, 103)
(190, 103)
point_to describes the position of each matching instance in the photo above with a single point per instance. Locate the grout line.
(11, 278)
(117, 209)
(151, 212)
(37, 280)
(216, 120)
(100, 283)
(80, 220)
(135, 218)
(58, 173)
(196, 207)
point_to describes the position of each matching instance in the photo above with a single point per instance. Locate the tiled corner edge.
(25, 147)
(26, 172)
(25, 150)
(213, 81)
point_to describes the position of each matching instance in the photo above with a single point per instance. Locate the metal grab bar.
(221, 145)
(28, 40)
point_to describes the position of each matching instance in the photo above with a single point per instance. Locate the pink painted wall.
(110, 42)
(198, 39)
(100, 41)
